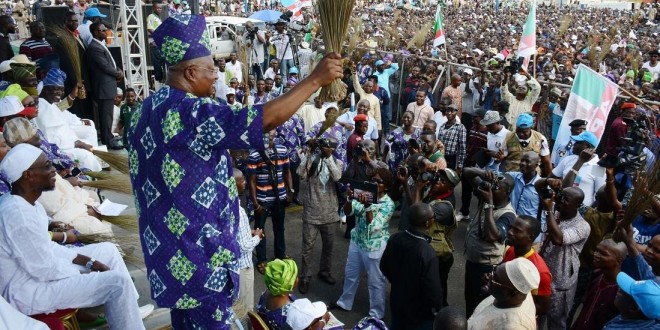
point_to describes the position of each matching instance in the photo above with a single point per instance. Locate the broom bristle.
(116, 184)
(645, 184)
(116, 161)
(100, 175)
(330, 120)
(334, 16)
(127, 222)
(129, 245)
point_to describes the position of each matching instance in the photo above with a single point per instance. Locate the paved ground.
(320, 291)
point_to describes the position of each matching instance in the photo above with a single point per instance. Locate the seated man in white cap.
(39, 276)
(510, 305)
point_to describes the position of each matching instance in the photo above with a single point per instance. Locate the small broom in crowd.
(330, 120)
(115, 160)
(70, 47)
(420, 36)
(122, 185)
(565, 24)
(646, 186)
(334, 16)
(129, 245)
(242, 51)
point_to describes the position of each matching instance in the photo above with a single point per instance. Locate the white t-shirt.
(282, 46)
(654, 70)
(495, 142)
(487, 316)
(236, 70)
(589, 179)
(440, 120)
(372, 131)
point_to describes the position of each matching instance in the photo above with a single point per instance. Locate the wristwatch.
(488, 206)
(90, 263)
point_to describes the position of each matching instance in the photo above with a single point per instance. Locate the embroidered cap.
(18, 160)
(18, 130)
(182, 38)
(55, 77)
(523, 274)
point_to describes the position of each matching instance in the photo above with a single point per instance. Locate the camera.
(631, 155)
(358, 151)
(548, 193)
(493, 184)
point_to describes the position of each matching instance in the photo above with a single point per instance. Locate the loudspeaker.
(54, 15)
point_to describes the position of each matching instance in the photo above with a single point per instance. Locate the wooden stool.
(66, 316)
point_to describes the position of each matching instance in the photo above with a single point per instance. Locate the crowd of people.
(214, 153)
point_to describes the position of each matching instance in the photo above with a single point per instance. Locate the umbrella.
(266, 15)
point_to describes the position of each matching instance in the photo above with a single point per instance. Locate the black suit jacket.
(102, 72)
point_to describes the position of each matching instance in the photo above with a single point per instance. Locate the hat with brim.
(94, 12)
(451, 107)
(6, 66)
(525, 120)
(578, 122)
(22, 59)
(182, 38)
(231, 91)
(587, 137)
(491, 117)
(451, 175)
(645, 293)
(302, 313)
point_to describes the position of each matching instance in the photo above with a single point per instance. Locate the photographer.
(360, 169)
(320, 170)
(567, 234)
(256, 40)
(486, 231)
(283, 46)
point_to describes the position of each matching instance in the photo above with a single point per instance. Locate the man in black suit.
(7, 26)
(104, 76)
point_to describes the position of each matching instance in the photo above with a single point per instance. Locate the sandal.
(100, 320)
(261, 267)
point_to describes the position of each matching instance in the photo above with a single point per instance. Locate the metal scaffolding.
(133, 50)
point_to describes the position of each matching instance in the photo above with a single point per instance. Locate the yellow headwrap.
(14, 90)
(280, 276)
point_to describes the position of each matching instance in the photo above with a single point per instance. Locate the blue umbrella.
(266, 15)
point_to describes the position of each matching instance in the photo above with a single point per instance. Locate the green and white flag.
(527, 46)
(591, 99)
(438, 29)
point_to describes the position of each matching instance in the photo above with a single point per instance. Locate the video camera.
(631, 155)
(492, 184)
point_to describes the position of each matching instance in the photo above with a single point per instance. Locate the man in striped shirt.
(36, 47)
(270, 189)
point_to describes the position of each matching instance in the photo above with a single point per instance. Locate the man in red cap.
(619, 129)
(361, 127)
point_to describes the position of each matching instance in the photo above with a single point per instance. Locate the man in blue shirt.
(384, 70)
(524, 198)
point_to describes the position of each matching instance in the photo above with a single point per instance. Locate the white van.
(223, 43)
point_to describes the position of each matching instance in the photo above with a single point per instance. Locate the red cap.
(28, 112)
(628, 105)
(360, 117)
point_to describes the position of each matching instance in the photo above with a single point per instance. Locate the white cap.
(523, 274)
(6, 65)
(10, 105)
(231, 91)
(500, 56)
(18, 160)
(468, 71)
(328, 105)
(119, 91)
(303, 312)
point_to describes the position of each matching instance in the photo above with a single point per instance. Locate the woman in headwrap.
(67, 203)
(62, 162)
(281, 277)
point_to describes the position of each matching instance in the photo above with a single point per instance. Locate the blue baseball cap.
(525, 120)
(94, 12)
(380, 62)
(293, 70)
(645, 293)
(586, 136)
